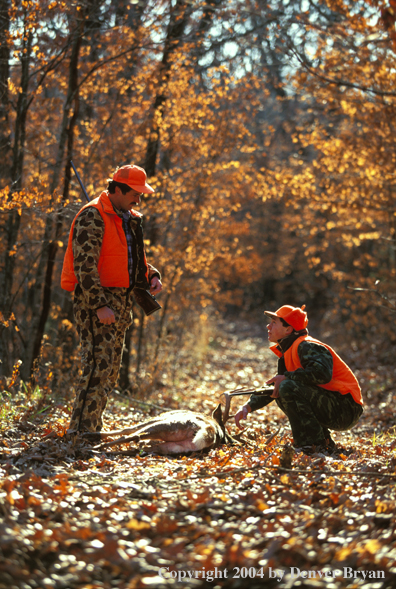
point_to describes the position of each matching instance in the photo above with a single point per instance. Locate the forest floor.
(75, 518)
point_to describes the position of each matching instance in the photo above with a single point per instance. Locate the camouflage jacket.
(316, 362)
(87, 241)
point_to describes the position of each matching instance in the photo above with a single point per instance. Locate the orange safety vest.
(113, 259)
(343, 379)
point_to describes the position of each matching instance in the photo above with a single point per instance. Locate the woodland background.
(267, 130)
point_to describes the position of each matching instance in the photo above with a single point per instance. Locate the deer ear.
(217, 415)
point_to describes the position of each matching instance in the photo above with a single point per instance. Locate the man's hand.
(155, 285)
(242, 414)
(106, 315)
(276, 380)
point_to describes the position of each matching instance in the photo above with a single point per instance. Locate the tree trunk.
(176, 27)
(124, 371)
(140, 342)
(14, 219)
(5, 136)
(41, 302)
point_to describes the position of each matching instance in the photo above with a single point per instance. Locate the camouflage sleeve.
(87, 241)
(259, 401)
(316, 362)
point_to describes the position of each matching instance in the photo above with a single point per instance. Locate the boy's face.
(276, 329)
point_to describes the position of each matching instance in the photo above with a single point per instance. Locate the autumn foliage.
(266, 131)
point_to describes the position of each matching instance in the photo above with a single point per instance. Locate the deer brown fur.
(177, 431)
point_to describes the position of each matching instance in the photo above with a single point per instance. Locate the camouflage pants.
(311, 410)
(101, 351)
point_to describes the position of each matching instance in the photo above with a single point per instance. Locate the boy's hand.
(276, 380)
(242, 414)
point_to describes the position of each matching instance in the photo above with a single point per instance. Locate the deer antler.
(227, 399)
(235, 393)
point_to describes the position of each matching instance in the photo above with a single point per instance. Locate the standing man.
(314, 387)
(104, 261)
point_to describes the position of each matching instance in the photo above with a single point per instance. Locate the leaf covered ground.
(74, 518)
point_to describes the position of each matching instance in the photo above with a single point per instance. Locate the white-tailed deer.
(177, 431)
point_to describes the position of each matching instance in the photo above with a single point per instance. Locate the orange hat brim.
(269, 314)
(146, 188)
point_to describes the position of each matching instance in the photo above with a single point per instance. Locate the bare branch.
(339, 82)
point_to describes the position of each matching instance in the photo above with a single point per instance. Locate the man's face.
(276, 329)
(125, 201)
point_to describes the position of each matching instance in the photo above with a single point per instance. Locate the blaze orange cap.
(132, 176)
(294, 316)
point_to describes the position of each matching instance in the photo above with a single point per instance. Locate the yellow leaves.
(383, 507)
(229, 165)
(6, 323)
(343, 554)
(372, 235)
(314, 261)
(371, 172)
(327, 268)
(12, 88)
(22, 199)
(137, 525)
(348, 108)
(249, 148)
(261, 505)
(350, 240)
(372, 546)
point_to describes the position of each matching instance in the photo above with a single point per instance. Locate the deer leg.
(122, 440)
(155, 429)
(137, 432)
(98, 436)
